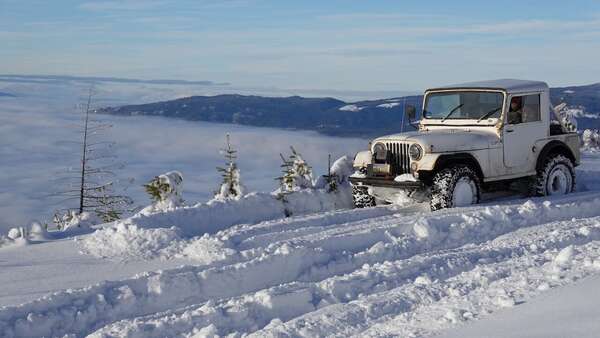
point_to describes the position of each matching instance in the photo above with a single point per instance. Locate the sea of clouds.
(38, 127)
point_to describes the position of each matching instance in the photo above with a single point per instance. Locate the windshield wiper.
(489, 113)
(452, 111)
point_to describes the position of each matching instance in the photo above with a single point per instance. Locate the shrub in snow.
(231, 188)
(165, 192)
(591, 140)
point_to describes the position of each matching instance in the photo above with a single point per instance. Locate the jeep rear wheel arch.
(552, 148)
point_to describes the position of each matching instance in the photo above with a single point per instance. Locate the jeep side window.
(524, 109)
(531, 108)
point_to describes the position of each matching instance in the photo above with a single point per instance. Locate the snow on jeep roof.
(510, 85)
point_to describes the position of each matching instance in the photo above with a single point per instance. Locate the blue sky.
(341, 44)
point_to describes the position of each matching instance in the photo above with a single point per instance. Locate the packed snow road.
(372, 272)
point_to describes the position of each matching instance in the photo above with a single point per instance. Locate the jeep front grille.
(398, 157)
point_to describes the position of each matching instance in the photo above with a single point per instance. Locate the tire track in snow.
(282, 303)
(496, 271)
(85, 310)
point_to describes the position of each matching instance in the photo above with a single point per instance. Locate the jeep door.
(523, 125)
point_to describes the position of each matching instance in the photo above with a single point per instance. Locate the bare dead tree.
(94, 184)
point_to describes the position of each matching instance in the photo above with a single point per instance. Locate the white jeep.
(472, 138)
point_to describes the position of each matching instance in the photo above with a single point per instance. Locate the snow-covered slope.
(571, 311)
(385, 271)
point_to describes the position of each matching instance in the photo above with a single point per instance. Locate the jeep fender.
(554, 147)
(447, 160)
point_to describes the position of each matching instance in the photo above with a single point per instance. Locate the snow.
(405, 178)
(33, 271)
(564, 257)
(128, 242)
(143, 236)
(570, 311)
(350, 107)
(388, 105)
(371, 272)
(579, 112)
(343, 167)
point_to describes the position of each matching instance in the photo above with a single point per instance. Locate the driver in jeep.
(515, 113)
(519, 113)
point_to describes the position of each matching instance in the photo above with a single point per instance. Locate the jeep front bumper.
(386, 183)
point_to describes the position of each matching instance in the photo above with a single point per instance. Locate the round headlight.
(380, 152)
(415, 151)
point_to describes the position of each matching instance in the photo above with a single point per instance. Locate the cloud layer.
(36, 129)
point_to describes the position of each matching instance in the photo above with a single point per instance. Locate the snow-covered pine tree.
(286, 180)
(231, 187)
(303, 177)
(286, 184)
(296, 174)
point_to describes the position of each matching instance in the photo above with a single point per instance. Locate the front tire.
(456, 186)
(361, 197)
(556, 177)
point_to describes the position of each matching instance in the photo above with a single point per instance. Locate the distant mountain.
(587, 97)
(325, 115)
(6, 95)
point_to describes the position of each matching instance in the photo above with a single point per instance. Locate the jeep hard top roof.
(508, 85)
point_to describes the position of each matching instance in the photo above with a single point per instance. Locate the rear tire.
(361, 197)
(556, 177)
(456, 186)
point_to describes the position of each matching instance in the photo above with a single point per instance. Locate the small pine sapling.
(286, 180)
(296, 173)
(286, 184)
(231, 187)
(303, 177)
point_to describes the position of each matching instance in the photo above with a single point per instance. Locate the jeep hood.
(446, 140)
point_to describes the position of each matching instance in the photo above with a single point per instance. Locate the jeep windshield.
(463, 105)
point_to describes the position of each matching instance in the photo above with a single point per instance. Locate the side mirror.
(411, 112)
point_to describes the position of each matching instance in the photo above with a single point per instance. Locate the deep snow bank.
(164, 234)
